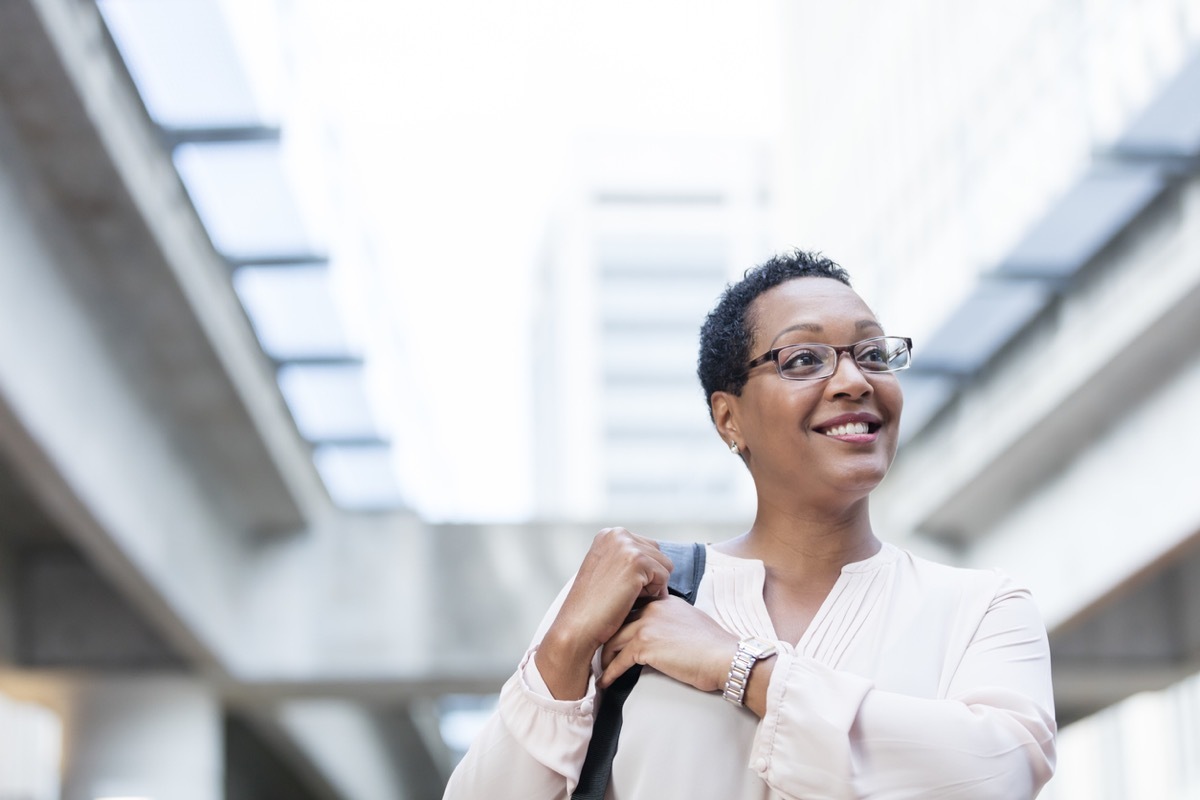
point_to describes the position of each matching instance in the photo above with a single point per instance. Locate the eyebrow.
(861, 325)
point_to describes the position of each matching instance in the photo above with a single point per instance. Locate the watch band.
(748, 653)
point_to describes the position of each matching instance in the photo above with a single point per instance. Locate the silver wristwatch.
(749, 651)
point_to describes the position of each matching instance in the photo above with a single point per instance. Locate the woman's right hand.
(619, 569)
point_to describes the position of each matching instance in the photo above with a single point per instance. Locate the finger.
(608, 654)
(657, 585)
(623, 661)
(648, 546)
(650, 556)
(662, 558)
(616, 644)
(658, 576)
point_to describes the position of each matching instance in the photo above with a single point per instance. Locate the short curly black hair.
(728, 331)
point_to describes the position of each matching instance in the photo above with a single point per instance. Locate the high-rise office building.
(650, 235)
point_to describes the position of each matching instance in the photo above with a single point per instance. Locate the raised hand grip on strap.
(597, 765)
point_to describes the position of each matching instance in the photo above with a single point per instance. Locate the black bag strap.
(597, 765)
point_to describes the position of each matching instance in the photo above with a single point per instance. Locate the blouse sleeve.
(533, 747)
(832, 734)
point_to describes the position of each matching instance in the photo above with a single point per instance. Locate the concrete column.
(149, 736)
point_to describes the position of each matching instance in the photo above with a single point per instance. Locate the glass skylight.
(182, 58)
(993, 313)
(209, 76)
(359, 477)
(1171, 124)
(292, 310)
(243, 195)
(328, 401)
(1085, 220)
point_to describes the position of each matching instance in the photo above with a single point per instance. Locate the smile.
(849, 429)
(857, 428)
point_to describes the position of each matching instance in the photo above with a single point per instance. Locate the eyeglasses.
(811, 362)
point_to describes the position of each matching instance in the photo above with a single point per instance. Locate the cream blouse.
(914, 680)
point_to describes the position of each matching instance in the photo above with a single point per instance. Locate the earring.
(733, 448)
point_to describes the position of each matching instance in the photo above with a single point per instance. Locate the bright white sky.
(453, 126)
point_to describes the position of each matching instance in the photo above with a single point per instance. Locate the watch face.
(757, 647)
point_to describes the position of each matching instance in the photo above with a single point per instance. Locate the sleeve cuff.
(539, 692)
(556, 733)
(810, 709)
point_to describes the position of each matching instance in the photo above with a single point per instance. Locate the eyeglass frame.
(773, 355)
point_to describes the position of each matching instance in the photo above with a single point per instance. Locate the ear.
(725, 413)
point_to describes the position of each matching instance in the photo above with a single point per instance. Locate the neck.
(807, 544)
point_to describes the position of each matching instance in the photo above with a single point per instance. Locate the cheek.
(789, 405)
(895, 404)
(890, 397)
(767, 418)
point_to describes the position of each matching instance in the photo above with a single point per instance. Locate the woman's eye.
(801, 359)
(872, 355)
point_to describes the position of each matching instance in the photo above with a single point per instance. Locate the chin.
(862, 481)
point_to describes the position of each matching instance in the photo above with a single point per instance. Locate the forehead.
(816, 305)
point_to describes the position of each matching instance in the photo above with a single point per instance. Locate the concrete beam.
(384, 601)
(1081, 690)
(160, 296)
(1124, 508)
(1143, 636)
(133, 394)
(71, 617)
(88, 447)
(143, 416)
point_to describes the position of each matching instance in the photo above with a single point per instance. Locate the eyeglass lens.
(808, 361)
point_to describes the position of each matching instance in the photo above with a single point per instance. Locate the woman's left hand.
(674, 638)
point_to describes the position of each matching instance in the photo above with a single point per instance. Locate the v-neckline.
(758, 601)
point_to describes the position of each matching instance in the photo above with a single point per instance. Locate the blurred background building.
(639, 248)
(330, 334)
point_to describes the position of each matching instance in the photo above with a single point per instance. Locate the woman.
(817, 661)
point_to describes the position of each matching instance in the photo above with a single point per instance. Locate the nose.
(848, 378)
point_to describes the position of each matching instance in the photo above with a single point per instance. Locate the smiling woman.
(816, 661)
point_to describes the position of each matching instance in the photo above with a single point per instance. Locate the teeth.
(847, 429)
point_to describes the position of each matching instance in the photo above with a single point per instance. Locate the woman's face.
(791, 431)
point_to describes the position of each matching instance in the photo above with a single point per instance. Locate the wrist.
(568, 647)
(565, 664)
(750, 652)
